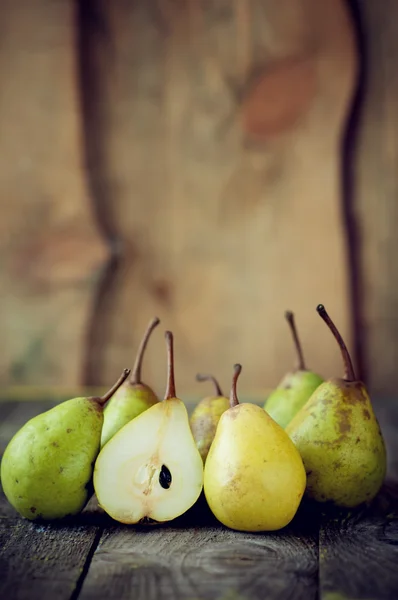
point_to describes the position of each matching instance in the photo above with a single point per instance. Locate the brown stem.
(289, 316)
(103, 399)
(349, 373)
(170, 388)
(136, 372)
(200, 377)
(233, 398)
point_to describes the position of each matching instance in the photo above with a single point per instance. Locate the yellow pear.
(339, 438)
(206, 415)
(254, 477)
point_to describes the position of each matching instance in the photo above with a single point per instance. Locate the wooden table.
(330, 555)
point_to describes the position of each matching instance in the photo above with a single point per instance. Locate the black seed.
(165, 477)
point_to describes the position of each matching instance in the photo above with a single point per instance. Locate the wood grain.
(374, 207)
(358, 557)
(202, 563)
(42, 561)
(51, 251)
(222, 184)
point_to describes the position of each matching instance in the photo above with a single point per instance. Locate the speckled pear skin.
(341, 444)
(47, 467)
(127, 403)
(254, 478)
(291, 395)
(204, 421)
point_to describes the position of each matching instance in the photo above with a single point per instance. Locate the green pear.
(206, 415)
(46, 470)
(339, 438)
(254, 477)
(151, 470)
(295, 388)
(133, 397)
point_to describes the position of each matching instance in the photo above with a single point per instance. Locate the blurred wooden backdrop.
(212, 162)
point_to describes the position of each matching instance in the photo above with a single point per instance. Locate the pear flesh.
(254, 477)
(47, 467)
(151, 469)
(340, 442)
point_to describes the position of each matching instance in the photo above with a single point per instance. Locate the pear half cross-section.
(151, 469)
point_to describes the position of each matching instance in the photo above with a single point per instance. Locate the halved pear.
(151, 469)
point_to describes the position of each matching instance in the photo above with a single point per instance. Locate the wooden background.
(212, 162)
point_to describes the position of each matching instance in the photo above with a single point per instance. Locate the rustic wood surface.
(179, 158)
(375, 186)
(322, 554)
(51, 252)
(214, 131)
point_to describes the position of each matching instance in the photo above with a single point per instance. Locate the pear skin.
(206, 415)
(133, 397)
(254, 477)
(339, 438)
(47, 467)
(291, 395)
(340, 442)
(295, 388)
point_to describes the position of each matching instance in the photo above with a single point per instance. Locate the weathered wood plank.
(206, 562)
(358, 556)
(374, 206)
(50, 248)
(215, 133)
(43, 562)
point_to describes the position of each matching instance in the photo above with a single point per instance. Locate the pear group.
(148, 462)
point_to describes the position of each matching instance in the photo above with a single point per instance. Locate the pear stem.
(233, 398)
(136, 372)
(103, 399)
(170, 388)
(200, 377)
(349, 373)
(289, 316)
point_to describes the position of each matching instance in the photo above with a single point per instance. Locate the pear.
(205, 417)
(47, 467)
(151, 470)
(339, 438)
(254, 477)
(133, 397)
(296, 386)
